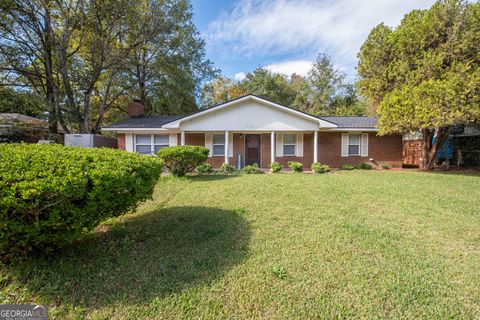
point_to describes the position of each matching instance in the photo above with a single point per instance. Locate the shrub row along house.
(252, 130)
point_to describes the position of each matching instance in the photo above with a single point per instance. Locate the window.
(289, 142)
(149, 143)
(160, 141)
(218, 144)
(354, 144)
(143, 143)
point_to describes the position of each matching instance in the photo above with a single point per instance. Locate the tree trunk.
(104, 106)
(84, 125)
(431, 148)
(49, 81)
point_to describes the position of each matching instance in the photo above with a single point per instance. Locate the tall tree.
(27, 50)
(85, 56)
(91, 55)
(348, 102)
(269, 85)
(27, 103)
(326, 82)
(425, 74)
(169, 67)
(220, 90)
(322, 92)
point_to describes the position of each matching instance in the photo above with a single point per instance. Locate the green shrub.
(50, 195)
(251, 169)
(347, 166)
(295, 166)
(385, 166)
(364, 166)
(275, 167)
(226, 168)
(204, 168)
(180, 160)
(320, 168)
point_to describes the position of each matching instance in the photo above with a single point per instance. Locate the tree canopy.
(86, 58)
(323, 91)
(425, 74)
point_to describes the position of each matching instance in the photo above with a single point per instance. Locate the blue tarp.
(447, 148)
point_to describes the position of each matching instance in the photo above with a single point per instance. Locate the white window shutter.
(344, 144)
(230, 144)
(172, 139)
(129, 142)
(279, 145)
(209, 143)
(299, 146)
(364, 144)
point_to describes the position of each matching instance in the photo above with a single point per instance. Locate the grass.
(353, 244)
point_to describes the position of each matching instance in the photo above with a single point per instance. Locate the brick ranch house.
(251, 130)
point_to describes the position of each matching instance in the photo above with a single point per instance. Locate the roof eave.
(132, 129)
(364, 129)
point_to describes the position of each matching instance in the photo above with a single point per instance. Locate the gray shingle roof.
(352, 122)
(158, 121)
(144, 122)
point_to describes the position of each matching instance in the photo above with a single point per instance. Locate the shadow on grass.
(147, 256)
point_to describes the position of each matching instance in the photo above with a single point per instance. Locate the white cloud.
(300, 67)
(303, 28)
(239, 76)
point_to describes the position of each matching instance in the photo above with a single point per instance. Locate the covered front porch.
(240, 148)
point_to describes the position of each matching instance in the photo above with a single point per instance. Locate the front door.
(252, 149)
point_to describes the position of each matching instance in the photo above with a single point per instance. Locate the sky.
(286, 35)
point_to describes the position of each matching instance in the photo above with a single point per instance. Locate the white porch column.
(272, 147)
(226, 147)
(182, 138)
(315, 146)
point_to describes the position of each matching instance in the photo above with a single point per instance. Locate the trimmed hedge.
(180, 160)
(347, 166)
(205, 168)
(226, 168)
(275, 167)
(50, 195)
(320, 168)
(295, 166)
(252, 169)
(364, 166)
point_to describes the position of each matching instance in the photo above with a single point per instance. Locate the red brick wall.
(412, 151)
(194, 139)
(265, 146)
(121, 141)
(198, 139)
(383, 149)
(238, 147)
(307, 158)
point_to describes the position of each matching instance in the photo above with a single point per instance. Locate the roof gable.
(250, 100)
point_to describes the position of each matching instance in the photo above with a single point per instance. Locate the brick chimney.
(136, 109)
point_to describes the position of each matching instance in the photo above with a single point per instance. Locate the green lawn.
(356, 244)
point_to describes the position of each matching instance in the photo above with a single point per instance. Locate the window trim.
(152, 143)
(161, 145)
(218, 144)
(142, 144)
(351, 144)
(294, 144)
